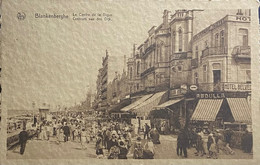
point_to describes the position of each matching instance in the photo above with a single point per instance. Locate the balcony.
(180, 55)
(214, 51)
(147, 71)
(150, 48)
(194, 63)
(224, 86)
(242, 52)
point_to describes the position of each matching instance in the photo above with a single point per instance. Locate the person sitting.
(123, 150)
(148, 150)
(138, 149)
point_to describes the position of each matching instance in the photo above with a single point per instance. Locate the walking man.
(23, 137)
(66, 131)
(146, 130)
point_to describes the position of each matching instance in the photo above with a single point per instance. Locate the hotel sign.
(236, 87)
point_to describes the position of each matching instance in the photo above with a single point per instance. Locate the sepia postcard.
(149, 82)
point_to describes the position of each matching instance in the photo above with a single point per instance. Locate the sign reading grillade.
(236, 87)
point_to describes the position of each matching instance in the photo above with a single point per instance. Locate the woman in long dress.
(84, 139)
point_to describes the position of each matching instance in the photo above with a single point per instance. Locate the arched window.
(180, 40)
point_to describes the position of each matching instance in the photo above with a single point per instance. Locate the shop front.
(222, 110)
(166, 117)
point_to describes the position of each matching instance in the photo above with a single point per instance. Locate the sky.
(56, 61)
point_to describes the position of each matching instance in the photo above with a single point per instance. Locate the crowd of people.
(209, 143)
(120, 140)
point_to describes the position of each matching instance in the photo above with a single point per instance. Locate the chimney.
(165, 17)
(134, 50)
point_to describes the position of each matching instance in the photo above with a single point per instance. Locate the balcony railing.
(147, 71)
(242, 52)
(224, 86)
(214, 51)
(194, 62)
(150, 48)
(180, 55)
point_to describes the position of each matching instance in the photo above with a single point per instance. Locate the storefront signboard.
(236, 87)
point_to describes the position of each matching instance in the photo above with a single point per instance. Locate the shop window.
(180, 40)
(243, 34)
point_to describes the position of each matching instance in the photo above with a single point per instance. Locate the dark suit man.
(23, 137)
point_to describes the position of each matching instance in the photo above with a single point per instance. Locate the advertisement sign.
(236, 87)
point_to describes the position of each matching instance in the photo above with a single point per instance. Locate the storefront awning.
(207, 109)
(116, 108)
(240, 109)
(168, 103)
(145, 107)
(136, 103)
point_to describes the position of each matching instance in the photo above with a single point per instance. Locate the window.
(243, 34)
(180, 40)
(131, 73)
(196, 78)
(138, 68)
(137, 86)
(173, 42)
(222, 42)
(180, 68)
(206, 44)
(248, 76)
(197, 52)
(216, 40)
(204, 73)
(173, 69)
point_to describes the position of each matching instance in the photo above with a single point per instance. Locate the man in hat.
(23, 137)
(66, 131)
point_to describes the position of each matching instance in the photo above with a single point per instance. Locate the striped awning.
(240, 109)
(145, 107)
(168, 103)
(136, 103)
(207, 109)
